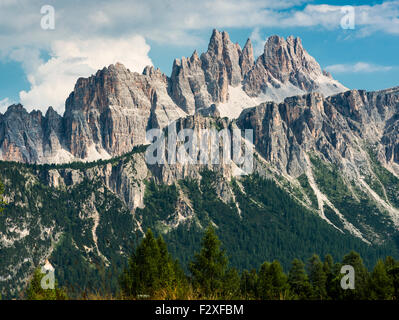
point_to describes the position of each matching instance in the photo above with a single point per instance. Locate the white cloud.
(258, 42)
(52, 81)
(4, 104)
(368, 18)
(359, 67)
(177, 21)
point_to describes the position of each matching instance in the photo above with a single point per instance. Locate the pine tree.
(328, 266)
(334, 289)
(394, 273)
(180, 276)
(328, 263)
(361, 291)
(36, 292)
(209, 265)
(392, 268)
(299, 281)
(150, 270)
(381, 285)
(231, 284)
(389, 263)
(167, 277)
(264, 282)
(317, 277)
(249, 284)
(272, 281)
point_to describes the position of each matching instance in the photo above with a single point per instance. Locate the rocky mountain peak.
(194, 56)
(109, 112)
(16, 108)
(338, 156)
(247, 59)
(282, 58)
(51, 113)
(285, 66)
(216, 42)
(153, 72)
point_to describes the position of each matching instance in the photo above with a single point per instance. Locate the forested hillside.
(79, 216)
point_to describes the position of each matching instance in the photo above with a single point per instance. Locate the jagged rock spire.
(284, 67)
(247, 59)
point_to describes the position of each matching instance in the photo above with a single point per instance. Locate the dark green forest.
(271, 225)
(152, 273)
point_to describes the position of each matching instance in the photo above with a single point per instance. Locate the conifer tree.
(392, 268)
(317, 277)
(272, 281)
(361, 291)
(299, 281)
(249, 284)
(167, 266)
(150, 269)
(36, 292)
(328, 266)
(209, 266)
(389, 263)
(381, 285)
(2, 202)
(334, 289)
(231, 284)
(264, 281)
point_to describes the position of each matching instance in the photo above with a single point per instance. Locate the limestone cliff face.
(29, 137)
(188, 86)
(109, 113)
(197, 82)
(286, 66)
(112, 110)
(247, 59)
(338, 128)
(374, 117)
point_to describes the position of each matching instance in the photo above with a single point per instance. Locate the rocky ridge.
(108, 113)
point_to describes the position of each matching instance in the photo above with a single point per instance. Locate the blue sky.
(39, 67)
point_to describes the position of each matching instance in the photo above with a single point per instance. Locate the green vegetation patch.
(390, 182)
(303, 180)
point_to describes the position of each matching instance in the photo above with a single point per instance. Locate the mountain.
(325, 167)
(108, 113)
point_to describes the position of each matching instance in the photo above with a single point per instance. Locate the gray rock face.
(53, 130)
(29, 137)
(188, 85)
(247, 60)
(374, 116)
(221, 65)
(338, 128)
(112, 110)
(285, 65)
(199, 82)
(109, 113)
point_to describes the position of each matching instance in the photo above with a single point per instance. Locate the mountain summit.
(108, 113)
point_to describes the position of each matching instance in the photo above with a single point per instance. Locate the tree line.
(152, 273)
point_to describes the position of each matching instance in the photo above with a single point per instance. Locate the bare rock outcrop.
(284, 67)
(109, 113)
